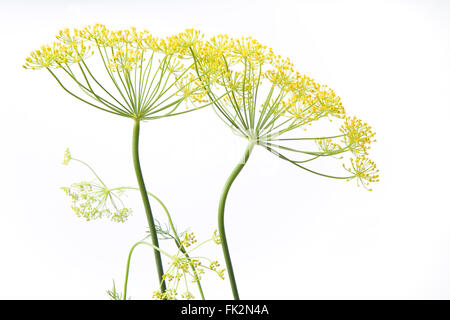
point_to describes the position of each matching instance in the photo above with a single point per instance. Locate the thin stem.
(148, 211)
(74, 95)
(296, 163)
(90, 168)
(316, 138)
(127, 272)
(223, 199)
(110, 73)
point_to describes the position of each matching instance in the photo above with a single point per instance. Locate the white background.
(292, 235)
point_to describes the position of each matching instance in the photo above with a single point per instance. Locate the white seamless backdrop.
(292, 235)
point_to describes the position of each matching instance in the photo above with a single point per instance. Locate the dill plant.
(266, 101)
(147, 80)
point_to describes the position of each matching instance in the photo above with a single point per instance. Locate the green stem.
(148, 210)
(127, 272)
(223, 199)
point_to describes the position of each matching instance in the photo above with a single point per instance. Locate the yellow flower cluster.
(181, 44)
(282, 73)
(231, 63)
(328, 146)
(358, 135)
(188, 239)
(364, 169)
(124, 60)
(67, 157)
(147, 71)
(216, 237)
(181, 269)
(311, 101)
(103, 37)
(191, 89)
(70, 38)
(70, 47)
(92, 202)
(248, 50)
(215, 266)
(241, 65)
(57, 55)
(169, 294)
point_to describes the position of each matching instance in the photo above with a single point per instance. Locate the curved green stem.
(127, 272)
(148, 210)
(223, 199)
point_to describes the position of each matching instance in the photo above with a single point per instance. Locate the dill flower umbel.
(364, 169)
(357, 135)
(266, 100)
(142, 82)
(93, 199)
